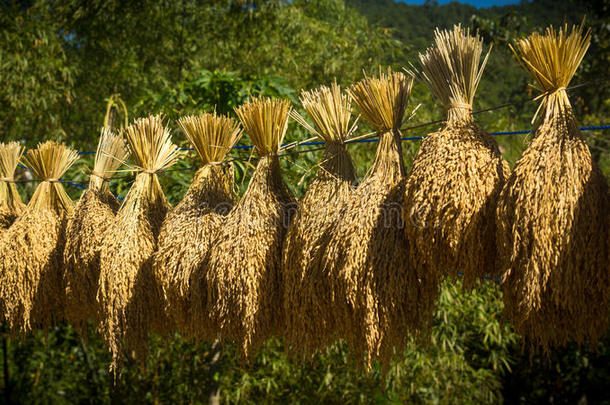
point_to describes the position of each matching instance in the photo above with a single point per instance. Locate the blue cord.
(412, 138)
(316, 143)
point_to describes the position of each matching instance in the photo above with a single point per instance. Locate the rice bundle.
(458, 171)
(10, 202)
(374, 298)
(31, 288)
(306, 323)
(190, 227)
(127, 294)
(87, 226)
(552, 230)
(244, 299)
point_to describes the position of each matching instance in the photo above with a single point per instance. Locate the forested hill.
(414, 24)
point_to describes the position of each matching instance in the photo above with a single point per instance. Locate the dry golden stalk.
(189, 228)
(457, 173)
(86, 229)
(243, 273)
(10, 202)
(130, 304)
(31, 288)
(552, 212)
(375, 299)
(307, 325)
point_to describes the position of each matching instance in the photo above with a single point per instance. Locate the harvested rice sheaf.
(307, 326)
(129, 302)
(86, 229)
(458, 171)
(552, 233)
(31, 287)
(244, 299)
(10, 202)
(189, 228)
(375, 299)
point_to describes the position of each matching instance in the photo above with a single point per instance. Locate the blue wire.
(316, 143)
(410, 138)
(73, 184)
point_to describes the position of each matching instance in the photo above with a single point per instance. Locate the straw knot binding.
(464, 106)
(550, 92)
(99, 175)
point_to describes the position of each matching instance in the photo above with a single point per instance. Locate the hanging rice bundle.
(306, 322)
(31, 288)
(190, 227)
(458, 171)
(552, 230)
(374, 299)
(127, 294)
(93, 214)
(10, 202)
(244, 299)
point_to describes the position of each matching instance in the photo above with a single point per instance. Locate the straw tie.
(99, 175)
(551, 92)
(464, 106)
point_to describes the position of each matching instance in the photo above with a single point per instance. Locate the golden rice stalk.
(86, 228)
(31, 288)
(243, 274)
(189, 228)
(552, 229)
(458, 171)
(129, 300)
(307, 326)
(10, 202)
(375, 299)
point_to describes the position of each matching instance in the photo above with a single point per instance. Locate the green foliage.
(63, 61)
(36, 81)
(218, 90)
(464, 360)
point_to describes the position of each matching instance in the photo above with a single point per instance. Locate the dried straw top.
(265, 121)
(211, 135)
(111, 153)
(49, 162)
(331, 112)
(151, 144)
(383, 100)
(451, 68)
(552, 59)
(10, 154)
